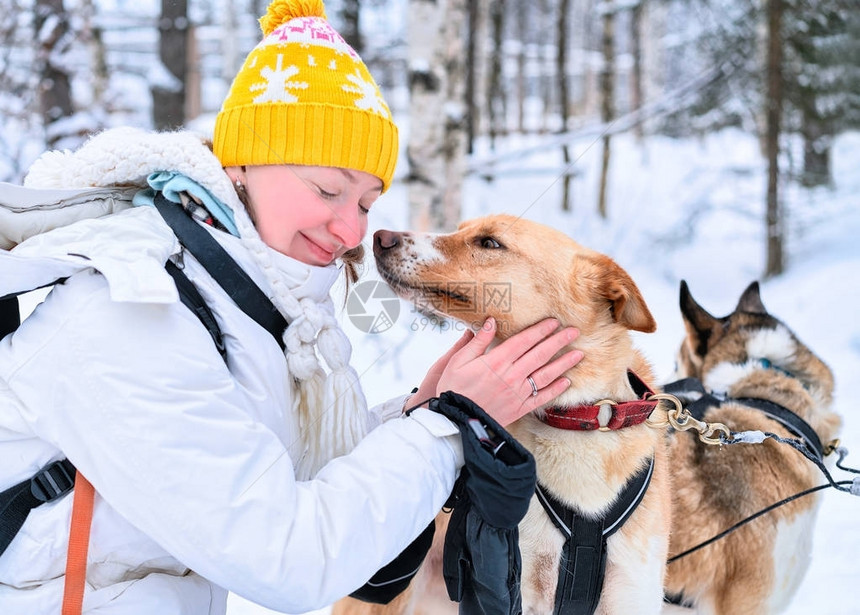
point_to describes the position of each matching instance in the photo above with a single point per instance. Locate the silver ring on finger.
(534, 386)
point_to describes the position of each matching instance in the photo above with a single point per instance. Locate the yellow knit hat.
(304, 96)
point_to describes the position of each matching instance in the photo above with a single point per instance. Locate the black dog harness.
(698, 400)
(583, 556)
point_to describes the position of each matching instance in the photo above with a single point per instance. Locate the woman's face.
(312, 214)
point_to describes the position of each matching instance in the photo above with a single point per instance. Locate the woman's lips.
(323, 253)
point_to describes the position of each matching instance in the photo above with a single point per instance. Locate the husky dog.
(745, 357)
(547, 274)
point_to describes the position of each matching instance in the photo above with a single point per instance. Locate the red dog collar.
(624, 414)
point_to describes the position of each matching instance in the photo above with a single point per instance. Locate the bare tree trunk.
(193, 78)
(53, 38)
(774, 222)
(636, 95)
(563, 90)
(350, 14)
(523, 13)
(437, 136)
(495, 93)
(544, 70)
(607, 90)
(91, 34)
(816, 151)
(472, 72)
(168, 93)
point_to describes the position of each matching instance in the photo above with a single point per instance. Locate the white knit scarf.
(331, 405)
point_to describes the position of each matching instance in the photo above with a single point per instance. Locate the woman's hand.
(498, 380)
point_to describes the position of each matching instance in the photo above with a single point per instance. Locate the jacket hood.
(127, 156)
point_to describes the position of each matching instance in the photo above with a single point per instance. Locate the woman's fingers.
(478, 345)
(461, 343)
(543, 352)
(500, 381)
(549, 372)
(545, 395)
(519, 344)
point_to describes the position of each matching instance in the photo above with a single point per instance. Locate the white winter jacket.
(191, 459)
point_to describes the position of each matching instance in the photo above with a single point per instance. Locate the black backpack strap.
(50, 483)
(221, 266)
(10, 315)
(190, 297)
(57, 479)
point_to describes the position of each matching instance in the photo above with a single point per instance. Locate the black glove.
(481, 562)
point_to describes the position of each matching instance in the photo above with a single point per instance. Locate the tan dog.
(521, 272)
(747, 354)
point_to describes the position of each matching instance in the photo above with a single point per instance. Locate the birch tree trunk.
(607, 91)
(774, 225)
(636, 81)
(231, 61)
(476, 62)
(91, 34)
(589, 89)
(437, 133)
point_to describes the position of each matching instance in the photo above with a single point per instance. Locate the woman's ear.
(236, 175)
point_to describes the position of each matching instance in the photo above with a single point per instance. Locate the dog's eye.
(489, 243)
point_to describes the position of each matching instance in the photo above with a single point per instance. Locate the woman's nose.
(348, 226)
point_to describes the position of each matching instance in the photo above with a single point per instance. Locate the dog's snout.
(385, 240)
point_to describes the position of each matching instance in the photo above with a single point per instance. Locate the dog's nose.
(385, 240)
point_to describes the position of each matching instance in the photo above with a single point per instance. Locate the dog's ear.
(627, 305)
(702, 328)
(750, 301)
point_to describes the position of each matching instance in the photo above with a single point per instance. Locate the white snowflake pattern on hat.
(370, 97)
(277, 83)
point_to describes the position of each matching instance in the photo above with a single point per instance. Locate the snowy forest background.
(716, 141)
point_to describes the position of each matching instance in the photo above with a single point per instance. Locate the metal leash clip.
(681, 420)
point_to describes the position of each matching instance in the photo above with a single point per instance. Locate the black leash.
(755, 516)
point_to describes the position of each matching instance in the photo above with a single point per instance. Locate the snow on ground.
(693, 210)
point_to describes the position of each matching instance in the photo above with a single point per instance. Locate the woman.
(254, 474)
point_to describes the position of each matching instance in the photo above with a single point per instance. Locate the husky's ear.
(750, 301)
(626, 302)
(702, 328)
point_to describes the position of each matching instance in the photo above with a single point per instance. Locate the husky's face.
(748, 344)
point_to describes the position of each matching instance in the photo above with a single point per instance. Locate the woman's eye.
(326, 194)
(490, 243)
(364, 210)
